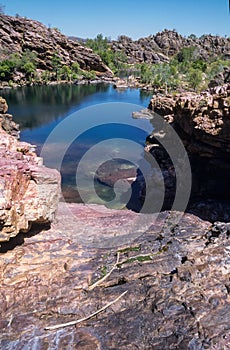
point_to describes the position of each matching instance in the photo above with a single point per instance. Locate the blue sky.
(134, 18)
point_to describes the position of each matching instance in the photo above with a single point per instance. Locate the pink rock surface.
(29, 192)
(176, 278)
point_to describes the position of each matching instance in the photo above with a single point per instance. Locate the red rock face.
(177, 278)
(29, 192)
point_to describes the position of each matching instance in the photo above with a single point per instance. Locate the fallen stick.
(72, 323)
(106, 276)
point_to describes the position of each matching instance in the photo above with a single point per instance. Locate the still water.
(106, 143)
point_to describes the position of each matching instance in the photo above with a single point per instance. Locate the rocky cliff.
(19, 34)
(160, 47)
(29, 192)
(202, 122)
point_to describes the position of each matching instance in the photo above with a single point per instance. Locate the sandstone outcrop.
(202, 122)
(163, 45)
(203, 118)
(6, 120)
(29, 192)
(18, 34)
(176, 278)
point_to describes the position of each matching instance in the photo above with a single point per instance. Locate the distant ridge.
(163, 45)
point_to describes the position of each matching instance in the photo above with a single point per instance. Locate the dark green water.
(39, 110)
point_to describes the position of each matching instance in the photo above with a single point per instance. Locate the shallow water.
(106, 143)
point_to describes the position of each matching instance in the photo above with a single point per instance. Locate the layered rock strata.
(29, 192)
(18, 34)
(202, 122)
(176, 278)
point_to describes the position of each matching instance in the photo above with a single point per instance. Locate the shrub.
(194, 78)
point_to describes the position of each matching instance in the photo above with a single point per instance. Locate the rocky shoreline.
(176, 272)
(29, 191)
(202, 123)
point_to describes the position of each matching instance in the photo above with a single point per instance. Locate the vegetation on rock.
(32, 53)
(187, 69)
(116, 61)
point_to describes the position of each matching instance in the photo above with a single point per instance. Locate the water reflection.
(38, 105)
(39, 109)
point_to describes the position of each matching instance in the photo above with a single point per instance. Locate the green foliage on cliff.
(19, 68)
(186, 70)
(116, 61)
(194, 78)
(160, 76)
(26, 63)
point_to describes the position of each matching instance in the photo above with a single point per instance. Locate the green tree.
(187, 54)
(76, 67)
(194, 78)
(192, 36)
(29, 69)
(114, 60)
(66, 73)
(56, 64)
(6, 70)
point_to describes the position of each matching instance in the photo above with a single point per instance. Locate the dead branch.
(106, 276)
(72, 323)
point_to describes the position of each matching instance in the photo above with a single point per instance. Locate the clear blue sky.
(134, 18)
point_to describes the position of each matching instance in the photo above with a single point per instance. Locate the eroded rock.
(202, 122)
(20, 34)
(177, 278)
(29, 192)
(163, 45)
